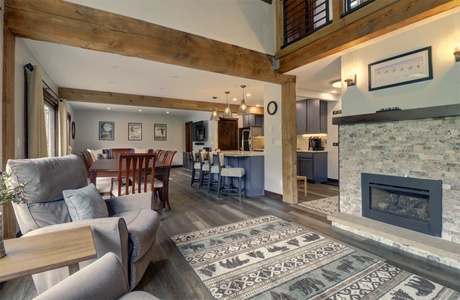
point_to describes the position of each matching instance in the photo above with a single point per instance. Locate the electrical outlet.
(335, 144)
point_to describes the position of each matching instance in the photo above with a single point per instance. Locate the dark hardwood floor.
(170, 277)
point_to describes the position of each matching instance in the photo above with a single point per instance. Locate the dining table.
(109, 168)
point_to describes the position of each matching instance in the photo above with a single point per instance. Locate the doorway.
(227, 133)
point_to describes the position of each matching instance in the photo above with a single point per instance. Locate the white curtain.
(63, 131)
(36, 117)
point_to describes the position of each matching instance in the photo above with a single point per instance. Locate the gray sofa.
(103, 279)
(129, 230)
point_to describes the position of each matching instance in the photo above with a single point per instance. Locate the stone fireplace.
(421, 144)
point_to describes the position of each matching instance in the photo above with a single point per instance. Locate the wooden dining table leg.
(166, 189)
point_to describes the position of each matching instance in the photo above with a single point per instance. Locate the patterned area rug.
(270, 258)
(326, 205)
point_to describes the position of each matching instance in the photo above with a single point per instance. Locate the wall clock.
(73, 130)
(272, 107)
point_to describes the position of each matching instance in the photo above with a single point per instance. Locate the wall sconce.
(351, 80)
(457, 51)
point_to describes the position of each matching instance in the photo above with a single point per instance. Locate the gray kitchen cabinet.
(253, 120)
(311, 116)
(301, 116)
(313, 165)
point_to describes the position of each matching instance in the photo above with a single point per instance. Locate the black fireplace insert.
(412, 203)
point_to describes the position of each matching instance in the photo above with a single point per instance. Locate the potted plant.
(9, 194)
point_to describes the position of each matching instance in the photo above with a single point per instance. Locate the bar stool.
(229, 174)
(205, 167)
(195, 166)
(215, 170)
(304, 178)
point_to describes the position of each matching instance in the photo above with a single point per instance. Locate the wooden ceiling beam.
(65, 23)
(89, 96)
(357, 28)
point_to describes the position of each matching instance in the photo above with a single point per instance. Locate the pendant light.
(227, 110)
(243, 110)
(214, 115)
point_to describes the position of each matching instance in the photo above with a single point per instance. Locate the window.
(303, 17)
(352, 5)
(51, 107)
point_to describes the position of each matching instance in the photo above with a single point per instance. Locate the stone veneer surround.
(422, 148)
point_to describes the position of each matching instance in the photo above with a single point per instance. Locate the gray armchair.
(129, 231)
(103, 279)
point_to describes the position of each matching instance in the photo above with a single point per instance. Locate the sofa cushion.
(142, 227)
(46, 179)
(85, 203)
(95, 152)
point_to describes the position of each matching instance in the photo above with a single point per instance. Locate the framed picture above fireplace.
(410, 67)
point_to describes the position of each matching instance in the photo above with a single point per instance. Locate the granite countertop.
(309, 151)
(243, 153)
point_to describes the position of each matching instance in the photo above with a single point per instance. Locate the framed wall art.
(406, 68)
(135, 131)
(106, 130)
(159, 132)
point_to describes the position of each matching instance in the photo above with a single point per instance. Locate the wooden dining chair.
(103, 184)
(161, 154)
(116, 152)
(87, 160)
(166, 159)
(139, 171)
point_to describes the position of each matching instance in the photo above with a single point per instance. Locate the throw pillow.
(94, 153)
(85, 203)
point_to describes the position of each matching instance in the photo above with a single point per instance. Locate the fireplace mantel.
(400, 115)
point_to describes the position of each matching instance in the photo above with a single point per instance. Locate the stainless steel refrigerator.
(245, 137)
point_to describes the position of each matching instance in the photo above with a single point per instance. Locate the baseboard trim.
(272, 195)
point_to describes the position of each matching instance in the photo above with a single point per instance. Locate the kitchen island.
(253, 163)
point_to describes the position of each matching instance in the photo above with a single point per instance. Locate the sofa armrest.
(109, 235)
(127, 203)
(103, 279)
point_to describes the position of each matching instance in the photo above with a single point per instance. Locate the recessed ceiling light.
(234, 99)
(140, 110)
(167, 112)
(336, 84)
(257, 105)
(248, 95)
(108, 108)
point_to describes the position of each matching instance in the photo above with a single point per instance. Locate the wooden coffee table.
(32, 254)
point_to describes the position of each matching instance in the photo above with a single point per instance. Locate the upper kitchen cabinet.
(311, 116)
(253, 120)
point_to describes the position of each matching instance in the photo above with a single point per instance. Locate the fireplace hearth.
(411, 203)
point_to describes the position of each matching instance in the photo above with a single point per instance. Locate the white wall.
(272, 132)
(245, 23)
(87, 134)
(443, 89)
(211, 129)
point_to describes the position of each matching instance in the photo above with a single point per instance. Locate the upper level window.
(303, 17)
(351, 5)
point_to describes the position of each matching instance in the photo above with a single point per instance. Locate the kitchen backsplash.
(302, 141)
